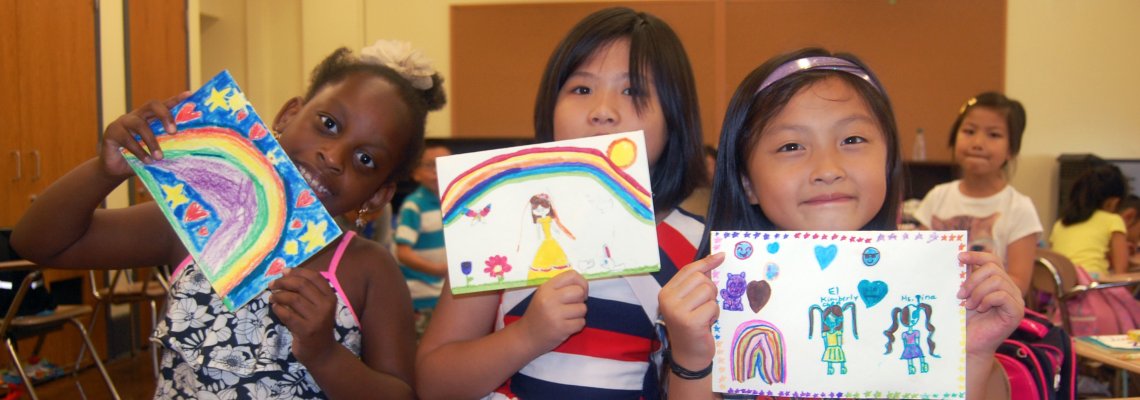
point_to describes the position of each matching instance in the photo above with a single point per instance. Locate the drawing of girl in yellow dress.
(831, 330)
(550, 259)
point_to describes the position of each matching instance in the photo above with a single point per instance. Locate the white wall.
(1073, 64)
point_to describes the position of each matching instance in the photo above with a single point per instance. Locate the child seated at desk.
(1093, 237)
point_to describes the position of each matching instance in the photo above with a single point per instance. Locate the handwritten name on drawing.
(834, 297)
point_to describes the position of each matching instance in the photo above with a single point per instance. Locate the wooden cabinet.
(50, 101)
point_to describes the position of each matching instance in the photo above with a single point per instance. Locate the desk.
(1124, 361)
(1125, 277)
(1121, 359)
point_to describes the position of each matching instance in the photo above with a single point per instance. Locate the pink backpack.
(1102, 312)
(1039, 360)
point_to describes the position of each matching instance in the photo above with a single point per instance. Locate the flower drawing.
(497, 266)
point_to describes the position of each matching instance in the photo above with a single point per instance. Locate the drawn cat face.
(981, 229)
(736, 285)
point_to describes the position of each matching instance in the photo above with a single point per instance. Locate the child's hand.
(557, 310)
(688, 306)
(120, 134)
(303, 300)
(993, 302)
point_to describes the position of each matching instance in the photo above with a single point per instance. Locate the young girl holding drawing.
(986, 138)
(809, 143)
(617, 70)
(356, 132)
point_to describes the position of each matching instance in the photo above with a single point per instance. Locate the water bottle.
(919, 146)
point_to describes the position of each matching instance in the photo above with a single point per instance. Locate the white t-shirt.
(992, 222)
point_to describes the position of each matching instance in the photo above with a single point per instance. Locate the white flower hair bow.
(401, 57)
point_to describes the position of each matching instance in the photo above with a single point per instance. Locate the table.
(1124, 361)
(1125, 277)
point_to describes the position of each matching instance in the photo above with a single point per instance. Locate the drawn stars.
(238, 101)
(314, 236)
(218, 99)
(174, 195)
(291, 247)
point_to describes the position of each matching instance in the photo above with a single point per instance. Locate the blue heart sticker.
(773, 247)
(825, 255)
(872, 292)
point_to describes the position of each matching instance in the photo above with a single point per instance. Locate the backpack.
(1101, 312)
(1039, 360)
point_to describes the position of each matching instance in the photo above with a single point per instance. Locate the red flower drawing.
(497, 266)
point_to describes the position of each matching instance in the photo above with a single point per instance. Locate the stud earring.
(360, 216)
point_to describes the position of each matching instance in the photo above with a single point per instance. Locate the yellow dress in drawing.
(833, 347)
(549, 260)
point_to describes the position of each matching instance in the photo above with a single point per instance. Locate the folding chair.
(18, 327)
(150, 291)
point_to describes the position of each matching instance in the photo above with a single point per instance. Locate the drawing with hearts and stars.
(862, 314)
(234, 198)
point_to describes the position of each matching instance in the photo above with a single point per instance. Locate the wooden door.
(11, 166)
(59, 107)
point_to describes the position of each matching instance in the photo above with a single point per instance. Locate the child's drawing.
(831, 332)
(733, 292)
(549, 259)
(232, 195)
(585, 205)
(908, 317)
(758, 352)
(847, 282)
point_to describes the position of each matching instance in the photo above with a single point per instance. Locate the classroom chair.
(18, 327)
(150, 290)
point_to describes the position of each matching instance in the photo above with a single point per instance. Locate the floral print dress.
(213, 353)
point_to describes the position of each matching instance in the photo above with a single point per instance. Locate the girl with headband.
(809, 142)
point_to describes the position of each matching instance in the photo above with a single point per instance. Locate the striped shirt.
(420, 225)
(611, 357)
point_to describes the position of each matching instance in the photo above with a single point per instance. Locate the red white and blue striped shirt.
(611, 358)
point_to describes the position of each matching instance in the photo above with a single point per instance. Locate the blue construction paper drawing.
(236, 201)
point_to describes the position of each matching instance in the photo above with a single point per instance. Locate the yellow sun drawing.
(622, 152)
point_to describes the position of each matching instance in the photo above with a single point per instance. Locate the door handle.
(19, 166)
(36, 156)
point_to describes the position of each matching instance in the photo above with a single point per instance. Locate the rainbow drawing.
(231, 194)
(543, 162)
(757, 349)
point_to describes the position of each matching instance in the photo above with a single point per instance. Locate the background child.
(617, 70)
(352, 136)
(1129, 210)
(805, 144)
(1094, 238)
(419, 237)
(1089, 232)
(986, 138)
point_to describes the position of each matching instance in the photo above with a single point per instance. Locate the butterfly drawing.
(477, 216)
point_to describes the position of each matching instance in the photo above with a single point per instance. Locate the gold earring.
(360, 216)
